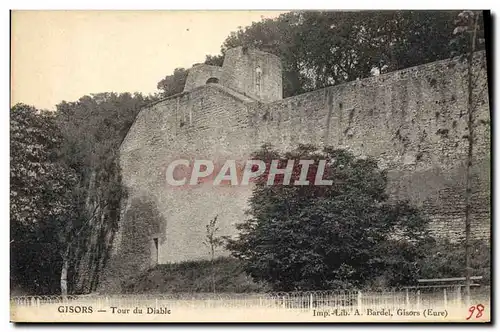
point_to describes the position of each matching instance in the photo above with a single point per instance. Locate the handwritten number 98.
(479, 308)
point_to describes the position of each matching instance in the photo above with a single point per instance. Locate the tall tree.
(468, 38)
(40, 199)
(93, 128)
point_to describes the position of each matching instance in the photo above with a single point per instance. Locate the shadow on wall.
(441, 193)
(141, 229)
(427, 185)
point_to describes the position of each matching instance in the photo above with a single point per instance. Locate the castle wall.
(413, 121)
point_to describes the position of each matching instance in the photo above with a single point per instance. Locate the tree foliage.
(173, 84)
(40, 198)
(322, 48)
(468, 31)
(93, 128)
(214, 60)
(66, 189)
(323, 237)
(446, 259)
(38, 180)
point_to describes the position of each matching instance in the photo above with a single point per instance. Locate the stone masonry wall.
(207, 123)
(239, 72)
(412, 120)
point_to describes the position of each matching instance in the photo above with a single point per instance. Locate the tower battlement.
(251, 72)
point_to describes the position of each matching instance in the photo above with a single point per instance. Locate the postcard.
(250, 166)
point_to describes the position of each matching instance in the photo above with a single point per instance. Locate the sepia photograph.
(299, 166)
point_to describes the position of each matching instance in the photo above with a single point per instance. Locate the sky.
(63, 55)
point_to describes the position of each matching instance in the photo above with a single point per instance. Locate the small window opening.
(212, 80)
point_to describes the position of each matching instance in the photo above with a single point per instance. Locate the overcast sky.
(61, 55)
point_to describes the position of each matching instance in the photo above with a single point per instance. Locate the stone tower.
(251, 72)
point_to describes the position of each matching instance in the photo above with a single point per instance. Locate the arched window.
(212, 80)
(258, 79)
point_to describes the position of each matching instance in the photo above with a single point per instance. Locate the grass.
(195, 277)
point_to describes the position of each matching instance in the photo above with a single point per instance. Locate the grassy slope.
(193, 277)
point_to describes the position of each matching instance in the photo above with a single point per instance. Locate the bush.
(342, 235)
(445, 259)
(195, 277)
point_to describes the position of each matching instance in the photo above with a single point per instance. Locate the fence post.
(310, 301)
(284, 304)
(360, 307)
(407, 298)
(445, 298)
(459, 295)
(418, 299)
